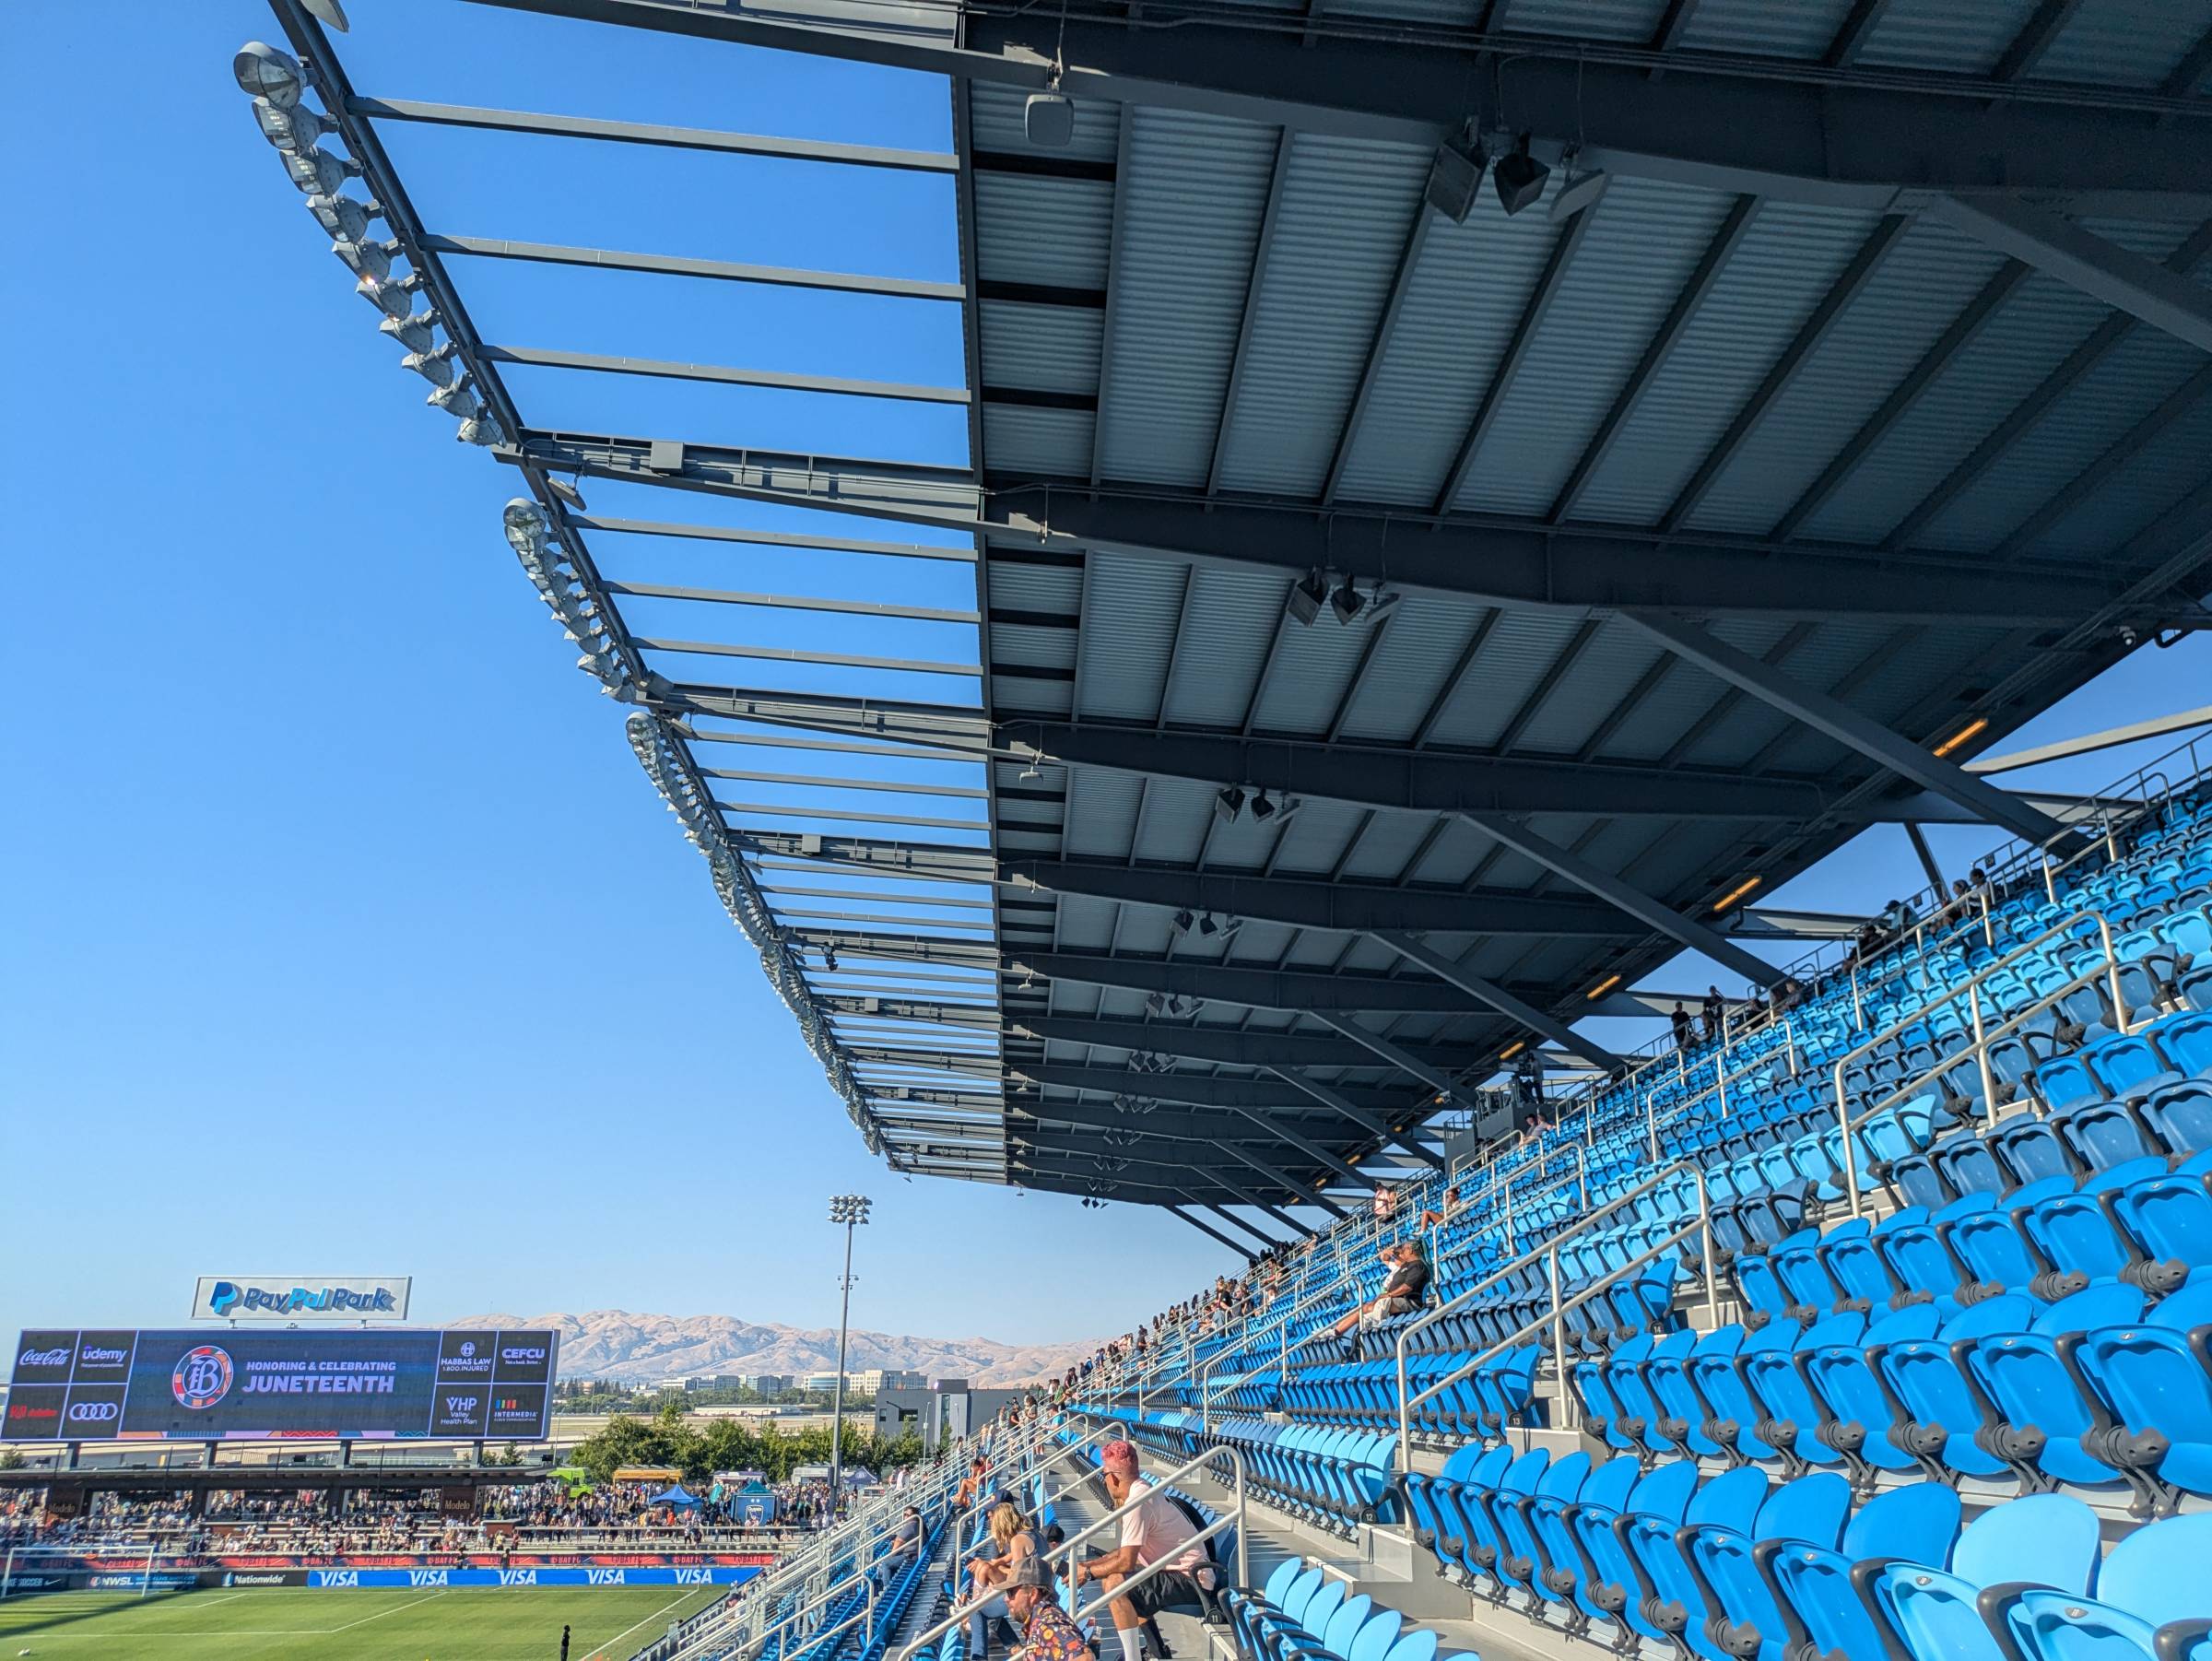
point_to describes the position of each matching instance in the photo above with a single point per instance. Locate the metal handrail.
(1061, 1552)
(1979, 1049)
(1058, 1451)
(1701, 1226)
(1971, 989)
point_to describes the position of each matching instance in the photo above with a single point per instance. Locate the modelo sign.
(462, 1384)
(289, 1298)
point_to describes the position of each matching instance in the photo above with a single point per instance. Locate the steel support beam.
(2057, 246)
(1211, 1233)
(1498, 998)
(1352, 908)
(1381, 1128)
(1407, 1062)
(1312, 1150)
(1228, 1046)
(1854, 731)
(1286, 989)
(1421, 781)
(1741, 126)
(1502, 561)
(1311, 1195)
(1207, 1127)
(1661, 918)
(1226, 1090)
(2089, 743)
(1267, 1242)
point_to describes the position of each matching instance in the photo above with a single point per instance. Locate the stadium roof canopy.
(1397, 622)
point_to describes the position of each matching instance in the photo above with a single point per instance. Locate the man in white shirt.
(1153, 1531)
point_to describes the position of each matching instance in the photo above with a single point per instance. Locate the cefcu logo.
(202, 1377)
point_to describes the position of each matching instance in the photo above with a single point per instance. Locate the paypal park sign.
(301, 1298)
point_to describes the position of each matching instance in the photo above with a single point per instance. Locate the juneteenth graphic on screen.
(205, 1387)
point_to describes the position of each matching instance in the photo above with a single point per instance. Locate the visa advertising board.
(290, 1299)
(99, 1385)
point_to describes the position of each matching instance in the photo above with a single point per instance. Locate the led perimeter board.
(204, 1387)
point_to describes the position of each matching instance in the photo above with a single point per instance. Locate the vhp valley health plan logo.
(202, 1377)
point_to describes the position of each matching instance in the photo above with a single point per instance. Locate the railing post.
(1650, 1126)
(1582, 1165)
(1989, 1082)
(1405, 1411)
(1711, 1269)
(1858, 1009)
(1849, 1151)
(1559, 1340)
(2049, 888)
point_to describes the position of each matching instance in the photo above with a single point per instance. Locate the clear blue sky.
(344, 933)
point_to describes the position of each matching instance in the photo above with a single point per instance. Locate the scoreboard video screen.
(210, 1385)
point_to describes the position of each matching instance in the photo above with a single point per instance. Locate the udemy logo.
(202, 1377)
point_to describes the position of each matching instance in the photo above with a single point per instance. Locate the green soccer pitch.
(521, 1623)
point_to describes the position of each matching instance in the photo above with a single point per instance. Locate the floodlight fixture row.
(275, 80)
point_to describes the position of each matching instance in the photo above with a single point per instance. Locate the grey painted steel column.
(1664, 919)
(1500, 999)
(1357, 1116)
(1849, 727)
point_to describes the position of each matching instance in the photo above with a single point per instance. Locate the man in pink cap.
(1154, 1531)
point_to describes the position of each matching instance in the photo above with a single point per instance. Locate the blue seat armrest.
(2177, 1639)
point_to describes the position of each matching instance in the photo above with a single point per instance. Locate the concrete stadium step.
(931, 1604)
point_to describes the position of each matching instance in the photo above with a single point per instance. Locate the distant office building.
(937, 1412)
(769, 1383)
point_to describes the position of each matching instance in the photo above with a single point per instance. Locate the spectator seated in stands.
(906, 1546)
(1401, 1294)
(1154, 1531)
(1012, 1543)
(1431, 1216)
(1047, 1633)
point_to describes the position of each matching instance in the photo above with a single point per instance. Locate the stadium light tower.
(851, 1209)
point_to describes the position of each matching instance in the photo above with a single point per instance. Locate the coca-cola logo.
(44, 1357)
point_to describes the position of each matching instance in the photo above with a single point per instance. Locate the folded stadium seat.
(2187, 1043)
(1463, 1524)
(1858, 1409)
(1772, 1370)
(2150, 1601)
(1523, 1562)
(1488, 1545)
(1669, 1603)
(2029, 1150)
(1933, 1613)
(1731, 1412)
(2153, 1380)
(1607, 1579)
(1937, 1411)
(1679, 1411)
(1964, 1161)
(1561, 1578)
(2037, 1419)
(2080, 1241)
(2168, 1219)
(1300, 1627)
(1246, 1610)
(2180, 1115)
(1985, 1238)
(1423, 1495)
(1745, 1620)
(2100, 1134)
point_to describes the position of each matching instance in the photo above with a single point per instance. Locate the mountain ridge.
(629, 1347)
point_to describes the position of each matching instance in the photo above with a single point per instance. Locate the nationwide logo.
(93, 1412)
(44, 1357)
(248, 1300)
(273, 1578)
(202, 1377)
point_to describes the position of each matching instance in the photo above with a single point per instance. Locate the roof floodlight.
(1456, 175)
(1207, 926)
(345, 218)
(291, 126)
(1182, 921)
(1519, 178)
(263, 71)
(412, 332)
(481, 430)
(1262, 808)
(329, 12)
(435, 366)
(1581, 191)
(317, 171)
(1302, 604)
(393, 296)
(1153, 1003)
(1229, 803)
(1382, 602)
(457, 400)
(367, 259)
(1346, 601)
(1048, 120)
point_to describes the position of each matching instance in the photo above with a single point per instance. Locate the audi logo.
(92, 1412)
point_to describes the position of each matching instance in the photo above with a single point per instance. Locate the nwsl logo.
(202, 1377)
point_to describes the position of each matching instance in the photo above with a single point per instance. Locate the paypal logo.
(229, 1298)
